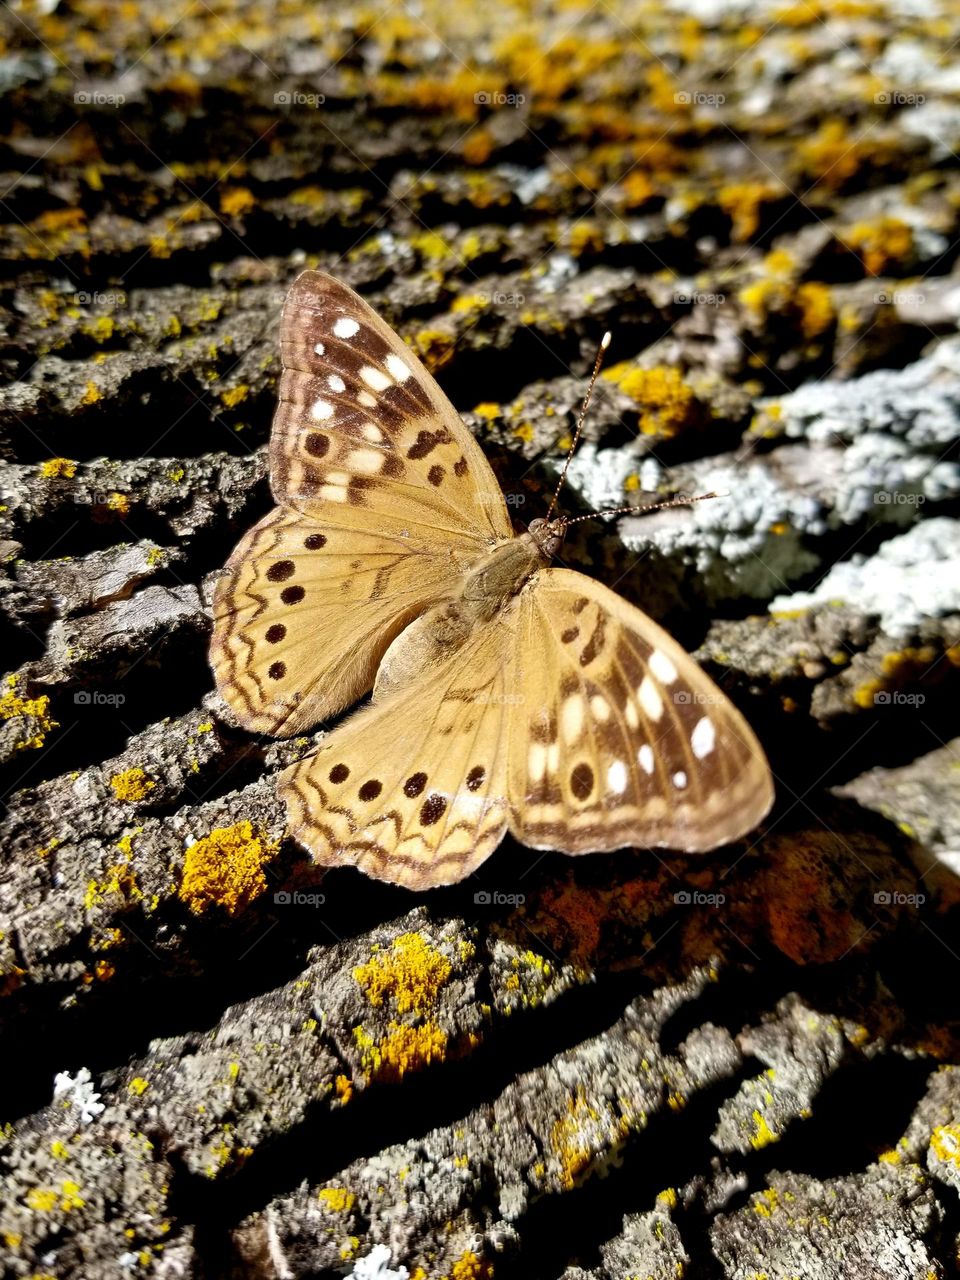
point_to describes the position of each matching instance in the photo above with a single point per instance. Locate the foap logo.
(298, 898)
(894, 898)
(896, 98)
(899, 298)
(687, 697)
(97, 698)
(484, 697)
(115, 299)
(897, 698)
(497, 898)
(95, 98)
(695, 898)
(294, 98)
(494, 98)
(895, 498)
(696, 99)
(698, 298)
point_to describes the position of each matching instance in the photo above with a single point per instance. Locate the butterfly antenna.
(639, 511)
(601, 351)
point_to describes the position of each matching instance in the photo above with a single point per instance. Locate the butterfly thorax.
(490, 586)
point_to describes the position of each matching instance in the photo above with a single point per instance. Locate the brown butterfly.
(506, 694)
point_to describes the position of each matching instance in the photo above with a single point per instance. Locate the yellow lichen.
(138, 1086)
(234, 395)
(411, 973)
(762, 1134)
(666, 403)
(118, 502)
(236, 201)
(225, 868)
(131, 785)
(880, 244)
(339, 1199)
(14, 705)
(91, 394)
(65, 467)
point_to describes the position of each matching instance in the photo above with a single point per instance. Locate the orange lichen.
(403, 1049)
(411, 973)
(225, 868)
(132, 785)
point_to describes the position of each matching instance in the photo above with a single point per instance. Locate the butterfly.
(507, 694)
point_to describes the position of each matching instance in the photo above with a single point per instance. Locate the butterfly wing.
(385, 500)
(305, 609)
(358, 413)
(412, 789)
(620, 738)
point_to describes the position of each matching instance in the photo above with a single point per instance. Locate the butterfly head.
(548, 535)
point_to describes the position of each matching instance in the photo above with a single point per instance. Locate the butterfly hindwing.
(412, 789)
(358, 412)
(619, 738)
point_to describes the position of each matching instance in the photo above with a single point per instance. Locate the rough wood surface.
(742, 1065)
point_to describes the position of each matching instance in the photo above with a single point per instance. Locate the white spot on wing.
(375, 378)
(322, 409)
(662, 667)
(399, 368)
(319, 348)
(617, 777)
(645, 758)
(336, 383)
(650, 699)
(367, 462)
(679, 779)
(571, 717)
(704, 737)
(345, 327)
(599, 707)
(366, 399)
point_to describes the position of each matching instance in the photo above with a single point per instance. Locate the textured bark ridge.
(739, 1065)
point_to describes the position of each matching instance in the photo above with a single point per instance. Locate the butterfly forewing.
(358, 412)
(385, 501)
(619, 738)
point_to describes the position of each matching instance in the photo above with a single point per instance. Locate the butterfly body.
(507, 693)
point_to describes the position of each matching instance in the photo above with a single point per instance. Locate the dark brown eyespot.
(339, 773)
(315, 541)
(276, 633)
(280, 570)
(435, 474)
(277, 670)
(317, 444)
(292, 595)
(370, 790)
(414, 784)
(581, 781)
(580, 604)
(432, 809)
(460, 467)
(476, 776)
(569, 635)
